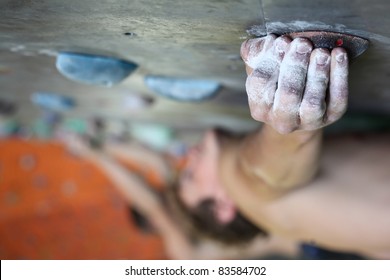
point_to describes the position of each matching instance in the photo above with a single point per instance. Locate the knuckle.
(293, 79)
(264, 73)
(254, 86)
(314, 102)
(309, 115)
(293, 87)
(281, 112)
(321, 80)
(316, 85)
(312, 109)
(266, 69)
(284, 121)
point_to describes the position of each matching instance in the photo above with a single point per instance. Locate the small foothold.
(130, 34)
(339, 42)
(94, 69)
(53, 101)
(182, 89)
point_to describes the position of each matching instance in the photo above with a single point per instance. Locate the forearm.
(147, 203)
(132, 188)
(280, 161)
(134, 152)
(296, 90)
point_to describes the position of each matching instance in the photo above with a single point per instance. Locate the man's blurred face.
(201, 196)
(200, 177)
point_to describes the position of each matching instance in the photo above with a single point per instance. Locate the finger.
(252, 49)
(259, 87)
(261, 83)
(338, 86)
(313, 104)
(248, 47)
(291, 84)
(280, 47)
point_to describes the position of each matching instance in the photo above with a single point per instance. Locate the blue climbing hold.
(94, 69)
(52, 101)
(183, 89)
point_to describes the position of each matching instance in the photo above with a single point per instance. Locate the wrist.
(298, 136)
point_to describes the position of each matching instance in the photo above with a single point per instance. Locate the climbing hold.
(157, 136)
(94, 69)
(53, 101)
(354, 45)
(75, 125)
(182, 89)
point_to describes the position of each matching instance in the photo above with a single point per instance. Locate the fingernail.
(341, 57)
(281, 46)
(322, 59)
(302, 48)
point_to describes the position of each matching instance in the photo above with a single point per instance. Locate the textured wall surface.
(188, 39)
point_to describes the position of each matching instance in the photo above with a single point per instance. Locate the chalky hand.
(292, 86)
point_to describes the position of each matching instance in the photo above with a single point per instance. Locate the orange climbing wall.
(54, 205)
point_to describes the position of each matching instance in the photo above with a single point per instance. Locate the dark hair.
(201, 221)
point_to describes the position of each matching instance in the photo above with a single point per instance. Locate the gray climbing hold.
(182, 89)
(94, 69)
(53, 101)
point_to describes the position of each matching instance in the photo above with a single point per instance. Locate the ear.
(225, 210)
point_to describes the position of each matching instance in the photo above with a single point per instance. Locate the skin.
(140, 196)
(268, 175)
(278, 93)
